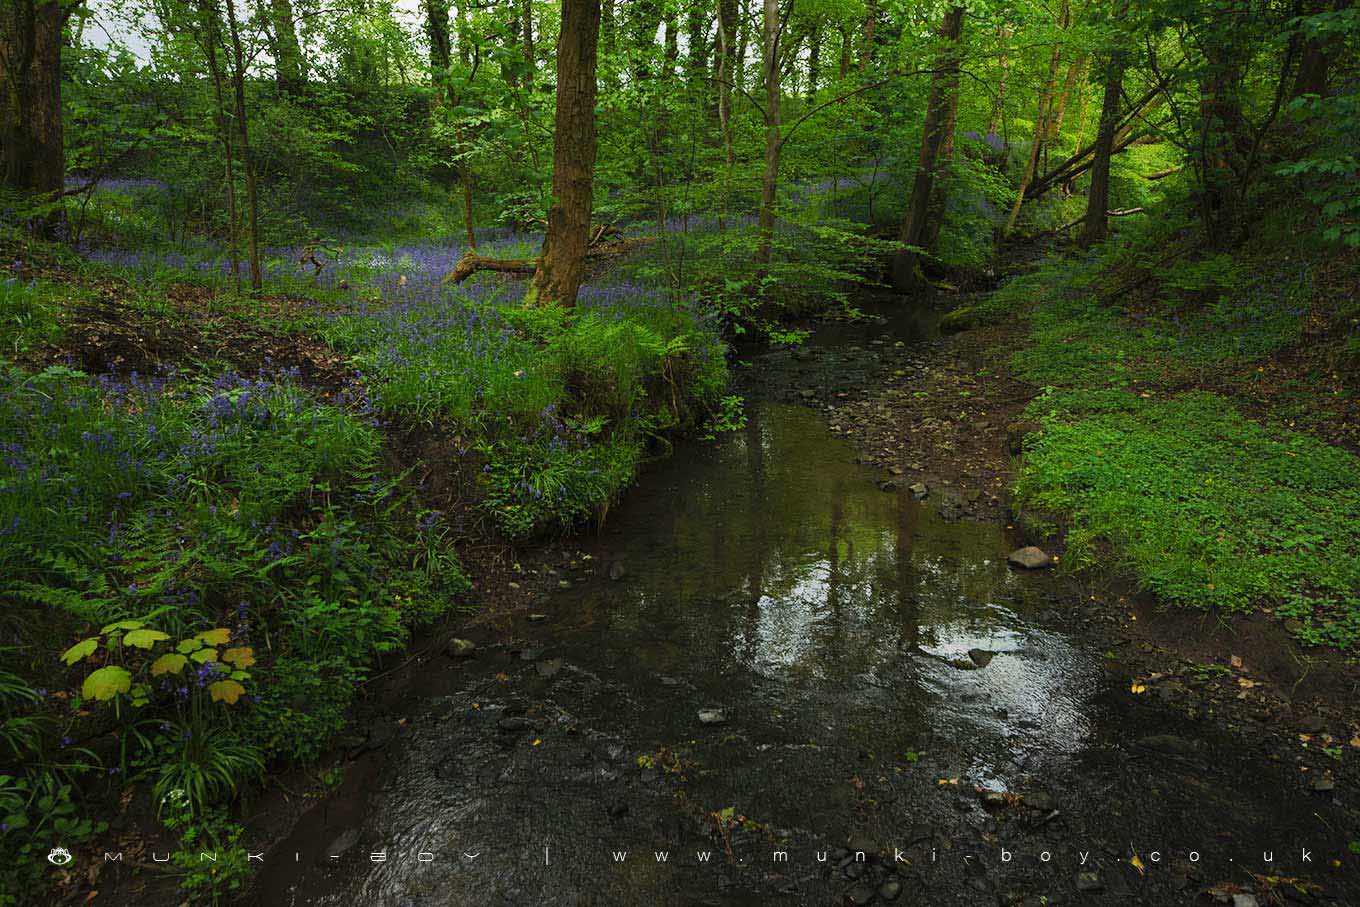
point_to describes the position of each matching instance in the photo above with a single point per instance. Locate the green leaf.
(188, 645)
(169, 663)
(124, 625)
(144, 639)
(106, 683)
(216, 637)
(227, 691)
(203, 656)
(80, 650)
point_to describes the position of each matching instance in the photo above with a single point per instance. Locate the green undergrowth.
(1147, 459)
(558, 406)
(220, 562)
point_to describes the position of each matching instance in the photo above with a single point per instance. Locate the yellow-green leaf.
(227, 691)
(80, 650)
(217, 637)
(203, 656)
(188, 645)
(144, 639)
(169, 663)
(241, 656)
(106, 683)
(124, 625)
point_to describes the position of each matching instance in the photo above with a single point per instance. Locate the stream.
(765, 667)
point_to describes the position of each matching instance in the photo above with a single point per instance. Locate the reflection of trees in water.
(778, 548)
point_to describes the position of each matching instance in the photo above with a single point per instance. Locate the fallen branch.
(1118, 212)
(599, 247)
(1162, 174)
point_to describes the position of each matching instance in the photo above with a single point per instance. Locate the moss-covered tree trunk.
(561, 265)
(939, 123)
(32, 157)
(1096, 225)
(290, 70)
(769, 183)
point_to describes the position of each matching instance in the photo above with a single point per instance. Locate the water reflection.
(772, 571)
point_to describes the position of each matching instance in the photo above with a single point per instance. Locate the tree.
(936, 135)
(769, 183)
(290, 70)
(562, 261)
(1096, 225)
(32, 154)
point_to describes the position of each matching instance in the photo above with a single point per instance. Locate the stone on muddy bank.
(461, 648)
(549, 668)
(860, 894)
(890, 889)
(918, 490)
(963, 318)
(712, 716)
(1017, 432)
(1089, 881)
(1030, 558)
(981, 657)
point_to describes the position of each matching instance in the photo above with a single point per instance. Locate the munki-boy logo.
(59, 856)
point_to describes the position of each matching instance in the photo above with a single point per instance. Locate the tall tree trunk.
(290, 70)
(1041, 121)
(1222, 136)
(526, 8)
(238, 78)
(464, 42)
(866, 49)
(743, 39)
(814, 66)
(696, 22)
(212, 37)
(1003, 35)
(944, 84)
(1315, 56)
(769, 183)
(1096, 226)
(437, 30)
(561, 265)
(845, 52)
(726, 54)
(32, 157)
(672, 43)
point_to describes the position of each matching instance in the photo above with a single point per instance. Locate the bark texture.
(562, 263)
(935, 134)
(32, 157)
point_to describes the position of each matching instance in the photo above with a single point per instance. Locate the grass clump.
(558, 404)
(221, 559)
(1207, 508)
(1142, 457)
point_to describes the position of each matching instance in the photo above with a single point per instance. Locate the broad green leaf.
(217, 637)
(241, 656)
(80, 650)
(144, 639)
(106, 683)
(227, 691)
(124, 625)
(203, 656)
(169, 663)
(188, 645)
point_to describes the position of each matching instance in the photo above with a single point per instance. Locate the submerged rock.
(981, 657)
(461, 648)
(1030, 558)
(712, 716)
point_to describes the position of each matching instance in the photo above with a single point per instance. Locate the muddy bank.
(774, 659)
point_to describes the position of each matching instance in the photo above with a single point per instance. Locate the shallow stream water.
(777, 664)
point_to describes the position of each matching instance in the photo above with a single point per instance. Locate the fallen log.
(1117, 212)
(471, 262)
